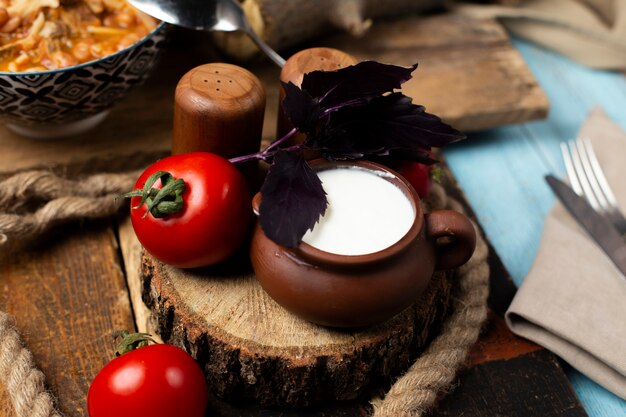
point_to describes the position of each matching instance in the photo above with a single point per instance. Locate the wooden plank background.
(456, 59)
(67, 297)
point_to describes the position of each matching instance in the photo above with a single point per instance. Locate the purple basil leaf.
(386, 124)
(415, 155)
(293, 199)
(301, 109)
(355, 84)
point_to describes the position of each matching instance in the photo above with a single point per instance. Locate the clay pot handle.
(459, 230)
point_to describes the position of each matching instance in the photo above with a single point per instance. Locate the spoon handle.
(272, 54)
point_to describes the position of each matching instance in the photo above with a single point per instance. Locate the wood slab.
(253, 349)
(67, 297)
(469, 74)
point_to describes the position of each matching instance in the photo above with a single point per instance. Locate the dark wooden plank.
(221, 408)
(67, 297)
(517, 387)
(506, 375)
(510, 376)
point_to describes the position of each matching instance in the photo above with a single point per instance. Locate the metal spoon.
(209, 15)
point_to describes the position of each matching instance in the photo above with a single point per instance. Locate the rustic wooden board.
(469, 74)
(131, 252)
(481, 390)
(68, 297)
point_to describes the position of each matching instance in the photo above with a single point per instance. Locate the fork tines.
(588, 180)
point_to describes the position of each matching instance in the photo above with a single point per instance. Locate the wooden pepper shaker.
(219, 108)
(307, 60)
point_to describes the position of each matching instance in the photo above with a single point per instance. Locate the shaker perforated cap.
(218, 108)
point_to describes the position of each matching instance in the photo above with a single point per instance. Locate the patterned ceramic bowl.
(69, 101)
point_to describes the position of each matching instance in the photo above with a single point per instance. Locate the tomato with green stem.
(157, 380)
(191, 210)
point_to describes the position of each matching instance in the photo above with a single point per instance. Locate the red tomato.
(155, 381)
(417, 174)
(214, 219)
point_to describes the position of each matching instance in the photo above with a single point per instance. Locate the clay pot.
(362, 290)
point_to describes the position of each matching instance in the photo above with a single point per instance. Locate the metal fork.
(588, 180)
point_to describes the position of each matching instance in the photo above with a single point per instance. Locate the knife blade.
(596, 225)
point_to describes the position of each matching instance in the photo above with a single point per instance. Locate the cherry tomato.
(156, 381)
(214, 218)
(417, 174)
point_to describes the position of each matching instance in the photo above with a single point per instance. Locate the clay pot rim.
(306, 252)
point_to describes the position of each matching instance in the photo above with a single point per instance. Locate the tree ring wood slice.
(250, 348)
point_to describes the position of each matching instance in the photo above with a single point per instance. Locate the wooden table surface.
(509, 193)
(68, 293)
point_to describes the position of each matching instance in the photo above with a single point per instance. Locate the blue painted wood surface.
(502, 173)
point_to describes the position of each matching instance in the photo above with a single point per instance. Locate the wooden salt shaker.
(219, 108)
(307, 60)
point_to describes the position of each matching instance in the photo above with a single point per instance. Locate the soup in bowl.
(65, 63)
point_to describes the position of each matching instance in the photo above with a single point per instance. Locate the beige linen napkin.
(573, 301)
(592, 32)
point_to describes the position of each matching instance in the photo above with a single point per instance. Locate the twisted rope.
(434, 371)
(18, 191)
(63, 201)
(23, 381)
(60, 200)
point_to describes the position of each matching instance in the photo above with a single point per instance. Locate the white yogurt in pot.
(365, 214)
